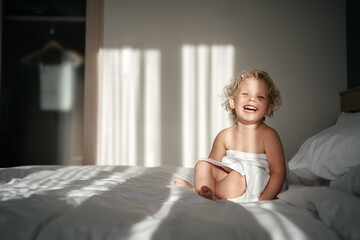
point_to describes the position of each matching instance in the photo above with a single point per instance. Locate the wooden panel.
(1, 24)
(94, 34)
(350, 100)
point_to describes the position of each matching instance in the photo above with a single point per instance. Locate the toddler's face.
(251, 101)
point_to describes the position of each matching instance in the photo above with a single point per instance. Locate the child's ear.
(232, 102)
(269, 110)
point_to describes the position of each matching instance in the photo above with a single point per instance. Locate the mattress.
(123, 202)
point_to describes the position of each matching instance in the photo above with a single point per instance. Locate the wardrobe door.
(42, 82)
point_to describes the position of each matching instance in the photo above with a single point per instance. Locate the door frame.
(93, 46)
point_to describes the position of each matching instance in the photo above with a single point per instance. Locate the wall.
(301, 44)
(352, 43)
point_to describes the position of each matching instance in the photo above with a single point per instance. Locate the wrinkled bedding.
(120, 202)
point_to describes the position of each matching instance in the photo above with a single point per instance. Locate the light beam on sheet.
(149, 225)
(205, 71)
(282, 232)
(96, 186)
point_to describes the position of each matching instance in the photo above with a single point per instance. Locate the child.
(246, 162)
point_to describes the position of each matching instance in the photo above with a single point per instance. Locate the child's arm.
(276, 159)
(218, 149)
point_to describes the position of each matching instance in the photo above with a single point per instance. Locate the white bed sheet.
(119, 202)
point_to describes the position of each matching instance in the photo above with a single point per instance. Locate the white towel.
(252, 165)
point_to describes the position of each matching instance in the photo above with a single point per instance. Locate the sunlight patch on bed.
(96, 185)
(152, 223)
(280, 222)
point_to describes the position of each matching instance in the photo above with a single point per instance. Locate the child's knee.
(201, 164)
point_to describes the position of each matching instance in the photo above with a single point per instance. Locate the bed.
(321, 200)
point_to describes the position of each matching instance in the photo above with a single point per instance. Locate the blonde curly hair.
(232, 88)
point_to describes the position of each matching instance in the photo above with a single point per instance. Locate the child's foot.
(182, 183)
(206, 193)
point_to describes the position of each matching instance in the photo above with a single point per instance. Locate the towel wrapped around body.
(253, 166)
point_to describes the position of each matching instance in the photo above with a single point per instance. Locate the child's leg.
(231, 186)
(206, 175)
(182, 183)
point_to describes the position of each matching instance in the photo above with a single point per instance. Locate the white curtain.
(131, 112)
(206, 70)
(130, 107)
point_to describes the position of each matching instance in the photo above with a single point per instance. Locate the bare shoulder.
(227, 135)
(269, 133)
(272, 143)
(224, 134)
(219, 145)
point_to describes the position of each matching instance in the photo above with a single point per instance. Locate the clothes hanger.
(53, 53)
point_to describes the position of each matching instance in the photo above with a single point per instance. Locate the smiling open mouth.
(250, 108)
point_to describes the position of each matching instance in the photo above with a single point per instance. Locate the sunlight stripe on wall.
(188, 105)
(118, 109)
(222, 70)
(205, 71)
(108, 114)
(202, 100)
(152, 100)
(129, 85)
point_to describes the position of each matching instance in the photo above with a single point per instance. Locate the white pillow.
(349, 182)
(348, 117)
(337, 210)
(330, 153)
